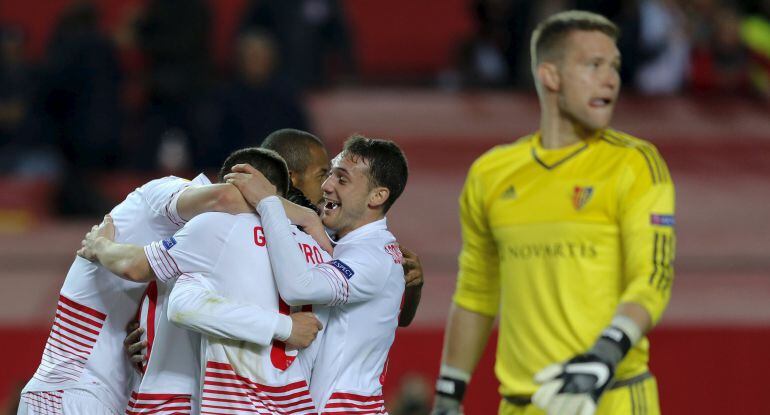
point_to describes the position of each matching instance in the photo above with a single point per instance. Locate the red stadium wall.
(700, 370)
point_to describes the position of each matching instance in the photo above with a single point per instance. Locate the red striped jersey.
(227, 256)
(85, 346)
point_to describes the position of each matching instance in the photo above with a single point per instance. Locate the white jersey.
(363, 285)
(85, 347)
(227, 291)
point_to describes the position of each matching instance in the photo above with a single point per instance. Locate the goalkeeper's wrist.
(452, 382)
(616, 340)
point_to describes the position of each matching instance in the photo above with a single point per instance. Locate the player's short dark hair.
(268, 162)
(552, 31)
(293, 145)
(387, 164)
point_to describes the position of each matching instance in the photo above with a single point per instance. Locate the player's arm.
(124, 260)
(476, 300)
(225, 197)
(413, 277)
(220, 197)
(646, 219)
(194, 306)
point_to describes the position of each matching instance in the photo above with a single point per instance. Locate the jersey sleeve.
(162, 195)
(350, 277)
(646, 219)
(357, 274)
(478, 280)
(194, 305)
(193, 249)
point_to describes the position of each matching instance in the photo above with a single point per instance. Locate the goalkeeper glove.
(450, 388)
(575, 386)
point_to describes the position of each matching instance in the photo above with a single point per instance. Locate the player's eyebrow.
(342, 170)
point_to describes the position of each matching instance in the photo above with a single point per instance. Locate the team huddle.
(241, 310)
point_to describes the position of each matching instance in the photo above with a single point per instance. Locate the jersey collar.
(553, 158)
(379, 225)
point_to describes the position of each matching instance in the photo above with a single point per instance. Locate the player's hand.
(106, 229)
(310, 222)
(135, 346)
(444, 405)
(573, 387)
(251, 182)
(304, 329)
(412, 268)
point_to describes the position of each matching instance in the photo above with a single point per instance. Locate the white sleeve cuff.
(283, 328)
(161, 262)
(171, 211)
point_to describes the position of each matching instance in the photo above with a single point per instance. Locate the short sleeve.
(193, 249)
(647, 231)
(478, 280)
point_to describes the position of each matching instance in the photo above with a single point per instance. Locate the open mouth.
(600, 102)
(331, 205)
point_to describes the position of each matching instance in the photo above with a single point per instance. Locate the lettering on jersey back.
(395, 252)
(259, 236)
(312, 254)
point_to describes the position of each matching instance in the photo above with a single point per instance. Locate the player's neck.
(557, 131)
(365, 220)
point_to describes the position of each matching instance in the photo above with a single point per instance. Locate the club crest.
(581, 196)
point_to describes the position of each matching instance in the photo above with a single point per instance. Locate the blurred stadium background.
(97, 97)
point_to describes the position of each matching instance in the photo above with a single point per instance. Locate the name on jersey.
(169, 243)
(560, 249)
(341, 267)
(312, 253)
(662, 220)
(394, 251)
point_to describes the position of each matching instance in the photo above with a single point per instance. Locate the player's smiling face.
(590, 80)
(346, 194)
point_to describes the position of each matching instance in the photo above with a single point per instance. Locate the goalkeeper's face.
(589, 79)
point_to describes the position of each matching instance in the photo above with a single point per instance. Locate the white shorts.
(66, 402)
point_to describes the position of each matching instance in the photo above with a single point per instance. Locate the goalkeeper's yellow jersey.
(554, 240)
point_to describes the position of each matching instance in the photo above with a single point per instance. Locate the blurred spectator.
(257, 102)
(174, 37)
(665, 44)
(413, 397)
(489, 57)
(17, 82)
(312, 38)
(755, 31)
(719, 59)
(78, 100)
(78, 106)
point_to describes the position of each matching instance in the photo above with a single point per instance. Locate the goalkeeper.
(568, 236)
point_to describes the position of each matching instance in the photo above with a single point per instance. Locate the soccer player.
(568, 236)
(82, 370)
(170, 379)
(364, 283)
(307, 160)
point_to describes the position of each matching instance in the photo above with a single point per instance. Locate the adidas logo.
(509, 193)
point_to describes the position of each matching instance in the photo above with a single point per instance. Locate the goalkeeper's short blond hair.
(551, 32)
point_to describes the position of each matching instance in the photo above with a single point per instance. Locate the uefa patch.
(344, 269)
(169, 243)
(581, 195)
(662, 220)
